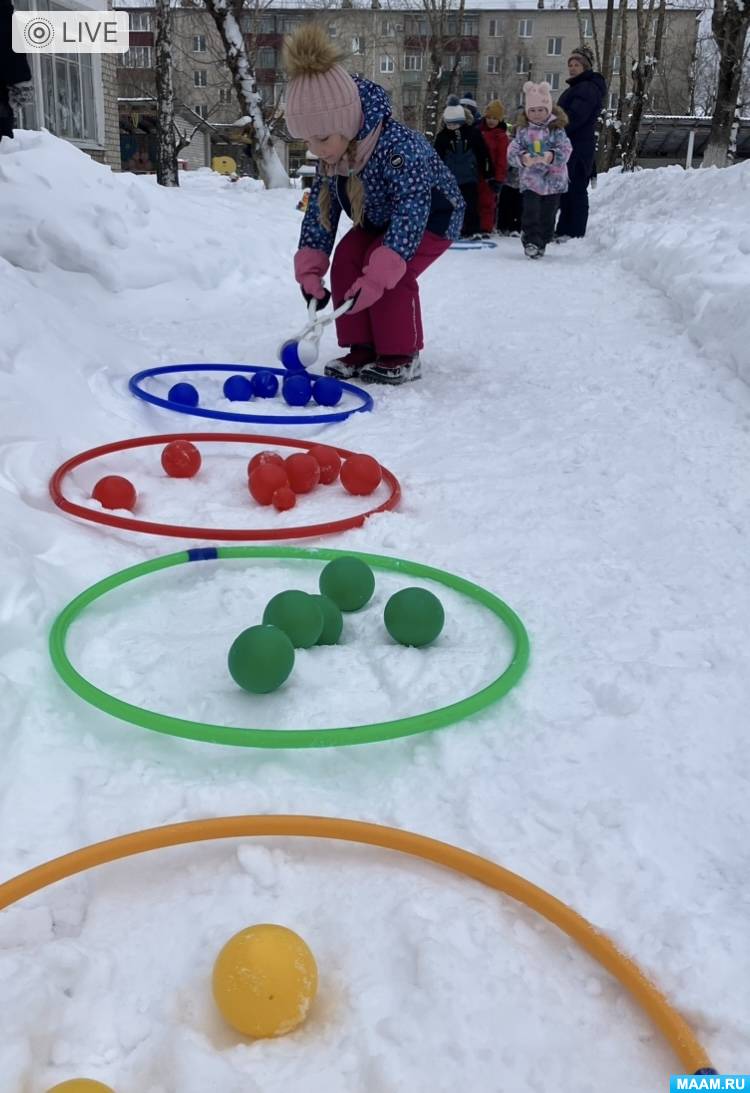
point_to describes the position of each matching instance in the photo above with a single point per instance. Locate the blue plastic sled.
(473, 244)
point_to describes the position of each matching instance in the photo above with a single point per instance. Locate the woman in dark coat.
(582, 101)
(15, 73)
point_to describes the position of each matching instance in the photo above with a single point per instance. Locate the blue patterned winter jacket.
(408, 189)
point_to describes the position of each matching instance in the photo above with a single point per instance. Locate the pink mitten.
(383, 271)
(309, 267)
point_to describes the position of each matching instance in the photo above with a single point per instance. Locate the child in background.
(405, 204)
(509, 201)
(496, 140)
(464, 153)
(541, 150)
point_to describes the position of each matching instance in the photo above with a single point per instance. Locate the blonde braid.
(355, 191)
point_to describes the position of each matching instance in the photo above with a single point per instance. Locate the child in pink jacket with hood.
(541, 150)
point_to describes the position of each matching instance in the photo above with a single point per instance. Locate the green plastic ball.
(260, 659)
(414, 616)
(298, 614)
(349, 582)
(333, 621)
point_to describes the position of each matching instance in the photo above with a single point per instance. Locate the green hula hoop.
(288, 738)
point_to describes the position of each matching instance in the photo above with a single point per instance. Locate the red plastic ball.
(264, 457)
(361, 474)
(181, 459)
(284, 498)
(265, 480)
(329, 461)
(303, 471)
(114, 492)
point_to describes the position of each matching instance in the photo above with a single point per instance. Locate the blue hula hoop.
(223, 415)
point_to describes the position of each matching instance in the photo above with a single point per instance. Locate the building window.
(333, 30)
(68, 105)
(522, 65)
(468, 62)
(140, 20)
(493, 65)
(358, 44)
(386, 63)
(415, 25)
(410, 96)
(267, 25)
(554, 47)
(616, 61)
(469, 27)
(387, 29)
(138, 57)
(199, 43)
(266, 57)
(225, 94)
(525, 28)
(412, 62)
(201, 109)
(494, 31)
(588, 30)
(520, 101)
(613, 100)
(200, 78)
(553, 79)
(289, 23)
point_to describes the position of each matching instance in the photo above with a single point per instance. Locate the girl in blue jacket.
(404, 203)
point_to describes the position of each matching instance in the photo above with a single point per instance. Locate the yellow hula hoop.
(685, 1045)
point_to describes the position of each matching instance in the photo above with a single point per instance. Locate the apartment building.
(498, 50)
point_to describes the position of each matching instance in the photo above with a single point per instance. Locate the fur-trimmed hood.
(559, 121)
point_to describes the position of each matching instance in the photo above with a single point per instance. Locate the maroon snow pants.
(393, 325)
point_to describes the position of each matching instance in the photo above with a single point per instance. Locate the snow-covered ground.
(578, 445)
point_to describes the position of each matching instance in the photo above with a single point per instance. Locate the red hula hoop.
(237, 534)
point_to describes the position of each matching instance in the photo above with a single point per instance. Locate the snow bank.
(686, 233)
(62, 210)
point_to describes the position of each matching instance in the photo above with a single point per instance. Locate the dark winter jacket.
(14, 69)
(465, 154)
(408, 191)
(497, 142)
(582, 102)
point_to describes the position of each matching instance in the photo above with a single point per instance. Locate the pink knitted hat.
(321, 97)
(538, 94)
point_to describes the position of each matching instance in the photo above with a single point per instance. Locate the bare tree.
(166, 159)
(729, 25)
(443, 50)
(643, 72)
(227, 15)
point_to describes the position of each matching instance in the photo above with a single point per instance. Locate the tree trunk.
(166, 157)
(644, 71)
(729, 25)
(432, 98)
(227, 20)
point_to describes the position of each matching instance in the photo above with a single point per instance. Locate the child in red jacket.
(497, 142)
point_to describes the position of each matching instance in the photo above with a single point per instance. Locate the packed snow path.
(570, 449)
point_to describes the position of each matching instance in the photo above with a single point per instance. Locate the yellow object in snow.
(224, 165)
(81, 1085)
(264, 981)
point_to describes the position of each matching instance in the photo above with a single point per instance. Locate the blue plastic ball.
(297, 389)
(327, 391)
(238, 389)
(184, 393)
(265, 384)
(289, 357)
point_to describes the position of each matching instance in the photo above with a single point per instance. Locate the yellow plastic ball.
(81, 1085)
(264, 981)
